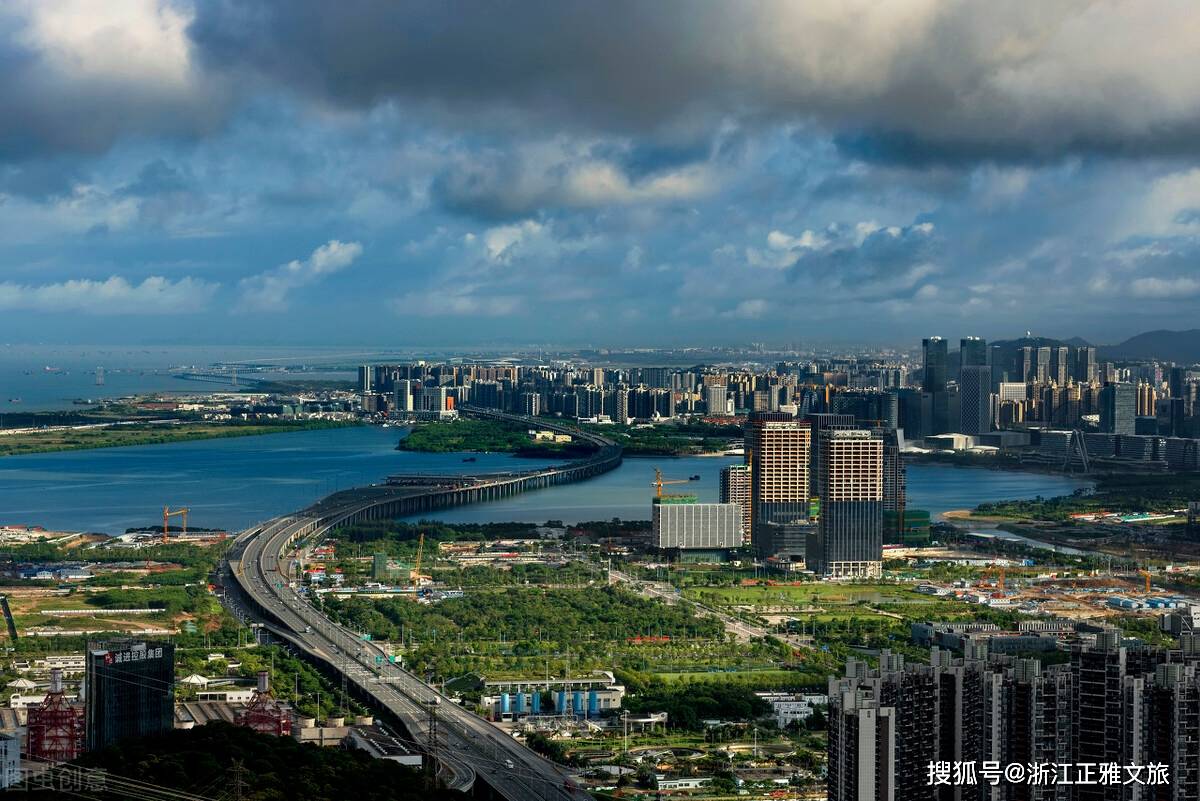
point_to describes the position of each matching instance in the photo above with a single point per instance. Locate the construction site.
(1084, 595)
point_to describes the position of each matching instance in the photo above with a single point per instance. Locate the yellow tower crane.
(414, 575)
(659, 481)
(1146, 574)
(167, 515)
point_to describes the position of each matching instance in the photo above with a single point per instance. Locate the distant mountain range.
(1039, 342)
(1182, 347)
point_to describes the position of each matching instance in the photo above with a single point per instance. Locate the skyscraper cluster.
(1016, 385)
(817, 491)
(823, 482)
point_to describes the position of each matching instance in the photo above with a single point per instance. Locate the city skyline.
(186, 173)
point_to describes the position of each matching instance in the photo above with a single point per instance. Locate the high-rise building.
(621, 406)
(1012, 391)
(895, 486)
(1042, 367)
(1085, 365)
(883, 724)
(1176, 379)
(861, 748)
(821, 424)
(975, 400)
(910, 407)
(848, 541)
(655, 377)
(716, 399)
(778, 450)
(531, 404)
(130, 689)
(1026, 364)
(434, 399)
(1177, 416)
(1147, 400)
(1059, 360)
(735, 488)
(936, 353)
(1000, 360)
(972, 352)
(933, 384)
(1170, 704)
(1110, 705)
(402, 396)
(1118, 409)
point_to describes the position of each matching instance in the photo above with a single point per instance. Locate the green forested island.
(1158, 493)
(673, 439)
(487, 436)
(74, 439)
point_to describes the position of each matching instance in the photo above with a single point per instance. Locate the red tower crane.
(55, 727)
(264, 714)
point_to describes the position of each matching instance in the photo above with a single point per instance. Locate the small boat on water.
(694, 478)
(469, 459)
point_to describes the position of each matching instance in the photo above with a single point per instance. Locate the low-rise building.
(791, 708)
(682, 524)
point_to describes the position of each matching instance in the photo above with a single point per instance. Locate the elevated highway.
(262, 569)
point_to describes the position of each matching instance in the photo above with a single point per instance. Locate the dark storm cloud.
(905, 80)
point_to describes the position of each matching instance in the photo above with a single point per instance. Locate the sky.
(578, 173)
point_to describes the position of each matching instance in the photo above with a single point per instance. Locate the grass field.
(763, 675)
(34, 609)
(817, 594)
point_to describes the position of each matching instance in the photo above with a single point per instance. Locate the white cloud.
(116, 295)
(501, 241)
(132, 41)
(751, 309)
(778, 240)
(1165, 206)
(270, 291)
(562, 173)
(88, 73)
(599, 183)
(1164, 288)
(464, 299)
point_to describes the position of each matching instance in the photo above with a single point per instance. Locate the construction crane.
(1146, 574)
(659, 481)
(414, 575)
(1000, 574)
(167, 515)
